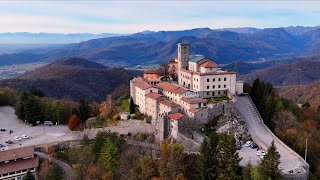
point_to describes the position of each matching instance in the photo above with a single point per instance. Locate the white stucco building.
(199, 78)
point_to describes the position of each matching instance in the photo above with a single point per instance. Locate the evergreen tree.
(258, 173)
(54, 173)
(270, 163)
(29, 176)
(228, 158)
(246, 172)
(132, 107)
(33, 110)
(57, 115)
(36, 92)
(206, 164)
(84, 111)
(109, 156)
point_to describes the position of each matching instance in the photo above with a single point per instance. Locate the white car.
(248, 143)
(17, 138)
(25, 137)
(263, 153)
(258, 153)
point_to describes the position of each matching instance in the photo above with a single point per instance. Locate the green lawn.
(123, 105)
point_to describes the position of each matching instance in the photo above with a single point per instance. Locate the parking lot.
(248, 155)
(41, 134)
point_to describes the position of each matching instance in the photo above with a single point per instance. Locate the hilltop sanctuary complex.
(191, 88)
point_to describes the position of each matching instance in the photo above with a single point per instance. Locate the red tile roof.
(209, 65)
(172, 88)
(154, 95)
(193, 100)
(193, 110)
(16, 153)
(167, 102)
(175, 116)
(19, 165)
(159, 72)
(141, 83)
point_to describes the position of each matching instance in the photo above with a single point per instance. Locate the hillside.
(302, 93)
(74, 78)
(302, 72)
(223, 46)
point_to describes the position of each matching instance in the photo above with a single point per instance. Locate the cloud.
(134, 16)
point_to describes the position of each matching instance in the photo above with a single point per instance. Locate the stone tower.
(183, 55)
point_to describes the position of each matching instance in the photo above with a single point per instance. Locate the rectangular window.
(212, 93)
(224, 86)
(218, 92)
(207, 80)
(219, 86)
(208, 93)
(214, 79)
(219, 79)
(207, 87)
(225, 79)
(213, 86)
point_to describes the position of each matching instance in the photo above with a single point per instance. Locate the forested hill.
(74, 78)
(224, 46)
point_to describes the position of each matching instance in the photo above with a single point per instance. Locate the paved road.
(38, 134)
(69, 172)
(263, 136)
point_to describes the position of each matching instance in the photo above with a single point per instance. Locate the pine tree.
(84, 111)
(246, 172)
(33, 109)
(206, 164)
(109, 156)
(270, 163)
(29, 176)
(132, 107)
(57, 112)
(228, 158)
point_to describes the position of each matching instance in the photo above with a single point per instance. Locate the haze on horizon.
(131, 16)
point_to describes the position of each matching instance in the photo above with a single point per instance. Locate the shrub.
(74, 122)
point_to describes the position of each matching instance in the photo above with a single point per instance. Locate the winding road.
(69, 172)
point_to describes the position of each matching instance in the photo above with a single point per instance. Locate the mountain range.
(74, 78)
(49, 38)
(299, 73)
(224, 46)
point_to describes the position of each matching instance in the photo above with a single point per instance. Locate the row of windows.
(219, 86)
(214, 79)
(213, 93)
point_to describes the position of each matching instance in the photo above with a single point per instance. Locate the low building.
(174, 122)
(154, 76)
(15, 163)
(124, 115)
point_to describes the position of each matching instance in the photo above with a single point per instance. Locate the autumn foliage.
(74, 122)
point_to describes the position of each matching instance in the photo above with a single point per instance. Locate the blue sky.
(135, 16)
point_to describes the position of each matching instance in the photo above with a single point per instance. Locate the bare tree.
(284, 120)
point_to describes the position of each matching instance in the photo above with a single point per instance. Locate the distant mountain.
(299, 30)
(242, 30)
(49, 38)
(74, 78)
(301, 94)
(299, 73)
(157, 47)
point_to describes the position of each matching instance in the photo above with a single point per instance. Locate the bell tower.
(183, 55)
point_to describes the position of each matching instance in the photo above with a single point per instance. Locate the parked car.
(9, 142)
(253, 146)
(2, 130)
(263, 153)
(258, 153)
(1, 145)
(17, 138)
(25, 136)
(248, 143)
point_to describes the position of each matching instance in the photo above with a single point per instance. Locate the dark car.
(253, 146)
(2, 130)
(1, 145)
(9, 142)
